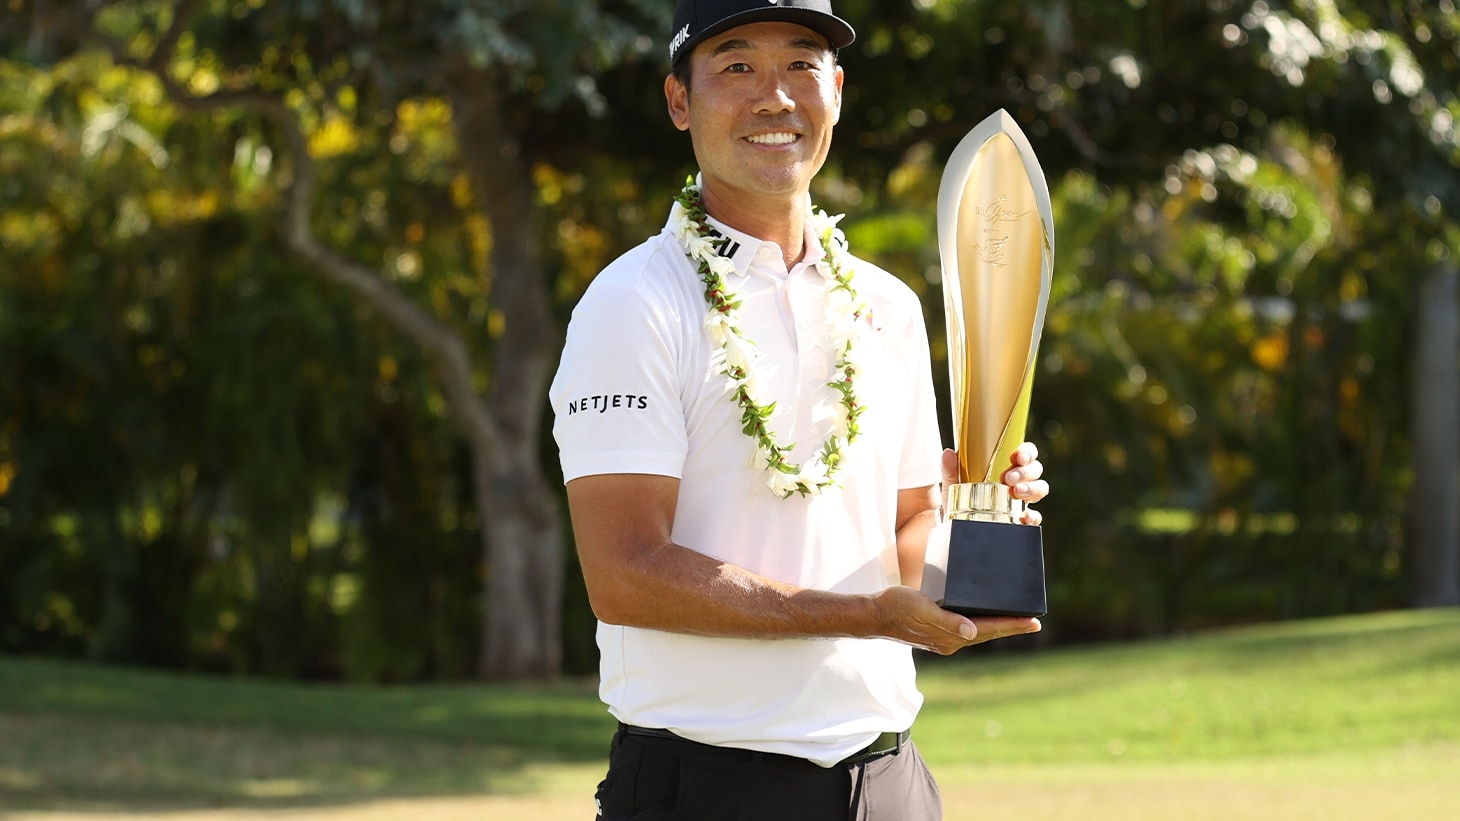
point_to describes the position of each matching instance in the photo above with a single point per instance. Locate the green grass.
(1358, 684)
(1338, 699)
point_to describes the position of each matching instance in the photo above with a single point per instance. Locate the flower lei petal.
(736, 355)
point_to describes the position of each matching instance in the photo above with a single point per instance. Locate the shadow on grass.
(87, 738)
(563, 719)
(90, 765)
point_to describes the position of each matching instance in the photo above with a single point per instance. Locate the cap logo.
(679, 38)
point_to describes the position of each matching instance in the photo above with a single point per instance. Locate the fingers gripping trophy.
(996, 241)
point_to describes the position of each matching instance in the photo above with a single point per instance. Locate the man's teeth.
(773, 139)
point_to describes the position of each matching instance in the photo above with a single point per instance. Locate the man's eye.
(738, 68)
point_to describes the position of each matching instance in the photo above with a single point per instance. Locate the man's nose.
(775, 96)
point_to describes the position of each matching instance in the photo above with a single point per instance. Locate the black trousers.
(664, 779)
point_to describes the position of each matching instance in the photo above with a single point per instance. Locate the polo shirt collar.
(742, 248)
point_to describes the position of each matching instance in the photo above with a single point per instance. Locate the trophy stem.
(984, 502)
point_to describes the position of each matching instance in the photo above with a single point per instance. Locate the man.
(746, 421)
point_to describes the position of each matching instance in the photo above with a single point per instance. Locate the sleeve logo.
(603, 403)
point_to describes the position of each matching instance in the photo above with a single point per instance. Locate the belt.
(884, 744)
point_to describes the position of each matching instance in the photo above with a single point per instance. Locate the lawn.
(1356, 717)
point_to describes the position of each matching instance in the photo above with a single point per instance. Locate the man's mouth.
(776, 138)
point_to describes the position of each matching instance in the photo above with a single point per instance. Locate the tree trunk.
(521, 629)
(522, 538)
(1436, 511)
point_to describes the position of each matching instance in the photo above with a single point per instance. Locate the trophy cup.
(996, 241)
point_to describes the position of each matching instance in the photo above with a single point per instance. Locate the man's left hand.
(1023, 478)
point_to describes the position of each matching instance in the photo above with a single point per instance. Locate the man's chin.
(793, 179)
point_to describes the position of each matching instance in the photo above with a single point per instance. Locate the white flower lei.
(737, 354)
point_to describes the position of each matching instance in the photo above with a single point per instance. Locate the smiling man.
(751, 526)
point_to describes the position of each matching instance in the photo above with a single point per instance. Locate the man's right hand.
(912, 618)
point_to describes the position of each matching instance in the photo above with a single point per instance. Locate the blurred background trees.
(283, 283)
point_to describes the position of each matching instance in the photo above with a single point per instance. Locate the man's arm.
(917, 514)
(636, 576)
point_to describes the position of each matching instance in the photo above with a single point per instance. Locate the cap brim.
(837, 31)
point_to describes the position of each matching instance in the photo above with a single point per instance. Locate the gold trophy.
(996, 241)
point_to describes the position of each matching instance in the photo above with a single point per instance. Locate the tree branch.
(443, 346)
(182, 16)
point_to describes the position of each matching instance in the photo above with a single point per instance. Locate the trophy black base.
(994, 569)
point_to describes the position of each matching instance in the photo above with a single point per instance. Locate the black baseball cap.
(695, 20)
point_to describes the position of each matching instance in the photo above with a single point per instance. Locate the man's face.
(765, 98)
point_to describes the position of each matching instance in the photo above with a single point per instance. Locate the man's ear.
(677, 98)
(840, 78)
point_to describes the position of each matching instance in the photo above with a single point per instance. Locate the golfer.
(746, 423)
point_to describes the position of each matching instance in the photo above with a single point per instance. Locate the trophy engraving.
(996, 242)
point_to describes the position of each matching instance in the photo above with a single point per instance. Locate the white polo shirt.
(636, 393)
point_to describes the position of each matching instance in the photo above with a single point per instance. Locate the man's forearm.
(912, 546)
(917, 515)
(670, 587)
(675, 589)
(637, 576)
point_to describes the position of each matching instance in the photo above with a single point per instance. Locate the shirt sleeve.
(616, 397)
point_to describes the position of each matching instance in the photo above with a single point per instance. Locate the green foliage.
(286, 495)
(175, 496)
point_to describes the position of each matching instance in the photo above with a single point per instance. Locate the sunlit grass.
(1353, 684)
